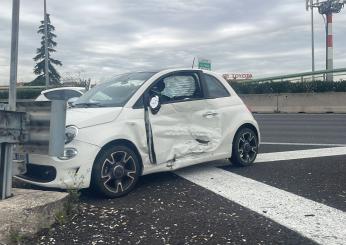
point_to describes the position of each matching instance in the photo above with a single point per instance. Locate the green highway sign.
(204, 64)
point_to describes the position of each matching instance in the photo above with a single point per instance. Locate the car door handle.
(210, 114)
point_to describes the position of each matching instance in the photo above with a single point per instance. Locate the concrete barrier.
(330, 102)
(27, 212)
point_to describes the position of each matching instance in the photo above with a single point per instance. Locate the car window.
(179, 87)
(214, 87)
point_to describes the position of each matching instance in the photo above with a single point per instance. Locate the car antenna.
(193, 62)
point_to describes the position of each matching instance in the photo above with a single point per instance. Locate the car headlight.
(70, 133)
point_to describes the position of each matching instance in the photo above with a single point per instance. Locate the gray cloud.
(102, 38)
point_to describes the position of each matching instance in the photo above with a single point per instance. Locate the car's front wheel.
(115, 172)
(245, 147)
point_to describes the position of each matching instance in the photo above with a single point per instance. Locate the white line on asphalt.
(301, 154)
(316, 221)
(303, 144)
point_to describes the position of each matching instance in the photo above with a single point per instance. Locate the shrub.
(27, 93)
(288, 87)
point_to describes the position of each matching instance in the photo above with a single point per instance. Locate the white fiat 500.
(146, 122)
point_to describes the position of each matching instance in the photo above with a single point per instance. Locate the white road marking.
(301, 144)
(301, 154)
(316, 221)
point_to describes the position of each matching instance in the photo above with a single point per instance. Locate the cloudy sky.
(97, 39)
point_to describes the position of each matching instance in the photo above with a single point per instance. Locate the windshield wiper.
(87, 104)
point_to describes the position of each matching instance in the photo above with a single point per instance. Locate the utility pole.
(327, 8)
(14, 55)
(329, 46)
(310, 3)
(46, 57)
(12, 97)
(312, 40)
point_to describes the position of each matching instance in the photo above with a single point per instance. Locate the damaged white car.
(146, 122)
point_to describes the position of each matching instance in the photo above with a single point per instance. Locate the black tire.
(245, 147)
(115, 172)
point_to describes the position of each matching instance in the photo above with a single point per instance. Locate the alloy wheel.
(118, 172)
(247, 147)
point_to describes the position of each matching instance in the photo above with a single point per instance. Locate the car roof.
(185, 69)
(169, 70)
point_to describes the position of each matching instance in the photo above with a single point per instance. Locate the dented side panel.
(181, 130)
(182, 133)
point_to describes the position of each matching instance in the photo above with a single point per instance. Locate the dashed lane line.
(316, 221)
(301, 154)
(301, 144)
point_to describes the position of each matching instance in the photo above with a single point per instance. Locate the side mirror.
(154, 104)
(72, 100)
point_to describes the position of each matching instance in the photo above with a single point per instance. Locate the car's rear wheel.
(245, 147)
(115, 172)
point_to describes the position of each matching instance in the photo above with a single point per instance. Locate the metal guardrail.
(38, 87)
(36, 127)
(24, 87)
(11, 132)
(12, 125)
(21, 87)
(45, 127)
(303, 76)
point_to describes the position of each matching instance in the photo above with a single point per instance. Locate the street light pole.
(14, 55)
(46, 73)
(312, 39)
(12, 97)
(329, 46)
(327, 8)
(310, 3)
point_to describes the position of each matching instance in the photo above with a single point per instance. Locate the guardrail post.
(3, 179)
(8, 169)
(57, 127)
(7, 151)
(5, 171)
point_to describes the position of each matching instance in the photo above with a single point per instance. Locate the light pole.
(12, 97)
(327, 8)
(46, 54)
(309, 3)
(14, 55)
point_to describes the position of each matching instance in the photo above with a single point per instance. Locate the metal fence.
(338, 74)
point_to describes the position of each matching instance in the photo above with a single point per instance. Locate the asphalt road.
(303, 128)
(170, 208)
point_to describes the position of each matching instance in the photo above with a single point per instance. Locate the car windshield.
(113, 93)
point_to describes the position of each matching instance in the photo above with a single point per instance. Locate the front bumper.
(53, 172)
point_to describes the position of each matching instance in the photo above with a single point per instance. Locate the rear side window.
(181, 86)
(176, 87)
(214, 87)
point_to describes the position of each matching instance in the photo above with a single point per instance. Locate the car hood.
(87, 117)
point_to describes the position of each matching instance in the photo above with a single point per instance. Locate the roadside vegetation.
(39, 69)
(239, 87)
(71, 207)
(288, 87)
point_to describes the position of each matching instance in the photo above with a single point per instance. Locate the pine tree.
(54, 76)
